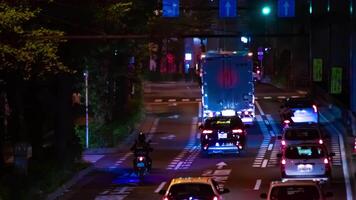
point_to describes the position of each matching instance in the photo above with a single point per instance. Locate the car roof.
(293, 182)
(180, 180)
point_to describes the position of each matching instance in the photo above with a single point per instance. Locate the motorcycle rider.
(142, 148)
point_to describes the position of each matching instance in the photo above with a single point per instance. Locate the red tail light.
(326, 161)
(283, 142)
(237, 131)
(207, 131)
(141, 158)
(321, 141)
(258, 71)
(216, 198)
(315, 108)
(283, 161)
(165, 198)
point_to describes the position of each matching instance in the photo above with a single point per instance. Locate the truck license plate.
(222, 135)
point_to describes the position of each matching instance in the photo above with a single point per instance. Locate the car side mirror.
(162, 192)
(224, 191)
(279, 155)
(329, 194)
(263, 196)
(279, 137)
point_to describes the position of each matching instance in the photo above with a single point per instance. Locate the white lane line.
(159, 188)
(158, 100)
(185, 100)
(272, 133)
(200, 110)
(178, 165)
(258, 184)
(270, 146)
(281, 97)
(266, 122)
(267, 97)
(344, 163)
(197, 99)
(264, 163)
(295, 96)
(172, 100)
(273, 124)
(259, 108)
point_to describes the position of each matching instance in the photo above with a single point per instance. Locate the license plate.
(140, 164)
(222, 135)
(305, 167)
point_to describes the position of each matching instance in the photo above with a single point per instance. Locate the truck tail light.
(315, 108)
(207, 131)
(283, 161)
(321, 141)
(326, 161)
(237, 131)
(286, 121)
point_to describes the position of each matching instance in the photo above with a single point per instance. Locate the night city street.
(178, 100)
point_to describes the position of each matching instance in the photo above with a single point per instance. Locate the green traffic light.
(266, 10)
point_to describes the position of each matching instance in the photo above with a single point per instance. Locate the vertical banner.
(336, 80)
(317, 69)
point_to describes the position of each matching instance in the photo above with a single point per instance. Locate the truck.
(227, 86)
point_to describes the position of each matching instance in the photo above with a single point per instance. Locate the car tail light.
(321, 141)
(246, 112)
(216, 198)
(207, 131)
(286, 121)
(283, 142)
(283, 161)
(326, 161)
(141, 158)
(258, 71)
(237, 130)
(165, 198)
(315, 108)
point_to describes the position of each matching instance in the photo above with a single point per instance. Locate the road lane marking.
(270, 146)
(178, 165)
(197, 99)
(296, 96)
(344, 162)
(200, 111)
(272, 133)
(185, 100)
(275, 129)
(259, 108)
(159, 188)
(172, 100)
(281, 97)
(266, 122)
(258, 184)
(267, 97)
(264, 163)
(158, 100)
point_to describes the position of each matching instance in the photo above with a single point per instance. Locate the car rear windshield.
(301, 134)
(300, 103)
(191, 189)
(223, 123)
(304, 192)
(304, 152)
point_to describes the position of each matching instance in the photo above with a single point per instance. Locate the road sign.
(317, 69)
(227, 8)
(170, 8)
(286, 8)
(336, 80)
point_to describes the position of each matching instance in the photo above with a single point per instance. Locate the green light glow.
(266, 10)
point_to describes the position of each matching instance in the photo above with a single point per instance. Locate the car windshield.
(304, 152)
(301, 134)
(223, 123)
(304, 192)
(200, 189)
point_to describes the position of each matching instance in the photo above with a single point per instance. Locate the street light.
(86, 74)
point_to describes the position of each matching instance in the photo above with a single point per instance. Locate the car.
(301, 134)
(257, 73)
(222, 134)
(307, 161)
(193, 188)
(299, 111)
(288, 190)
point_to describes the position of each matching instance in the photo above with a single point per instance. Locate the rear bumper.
(222, 149)
(312, 178)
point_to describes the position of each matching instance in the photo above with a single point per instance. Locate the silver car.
(297, 135)
(306, 162)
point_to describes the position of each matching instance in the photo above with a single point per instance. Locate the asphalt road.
(171, 124)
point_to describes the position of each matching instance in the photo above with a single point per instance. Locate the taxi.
(193, 188)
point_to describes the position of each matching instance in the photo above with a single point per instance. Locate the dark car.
(299, 111)
(223, 135)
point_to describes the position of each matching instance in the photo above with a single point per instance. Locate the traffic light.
(266, 10)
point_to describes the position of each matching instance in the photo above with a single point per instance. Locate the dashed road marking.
(267, 97)
(264, 145)
(264, 164)
(270, 146)
(259, 108)
(159, 188)
(172, 100)
(158, 100)
(258, 184)
(185, 100)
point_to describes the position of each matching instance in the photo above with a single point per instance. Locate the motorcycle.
(141, 165)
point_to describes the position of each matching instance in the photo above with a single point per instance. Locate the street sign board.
(336, 80)
(227, 8)
(317, 69)
(170, 8)
(286, 8)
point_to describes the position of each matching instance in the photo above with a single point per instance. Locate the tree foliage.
(25, 49)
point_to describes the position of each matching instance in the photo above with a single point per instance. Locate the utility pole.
(86, 74)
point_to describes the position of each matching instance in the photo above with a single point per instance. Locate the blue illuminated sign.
(227, 8)
(286, 8)
(170, 8)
